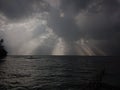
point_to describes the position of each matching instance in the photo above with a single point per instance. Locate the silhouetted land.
(3, 52)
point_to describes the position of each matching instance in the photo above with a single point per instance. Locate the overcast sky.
(43, 27)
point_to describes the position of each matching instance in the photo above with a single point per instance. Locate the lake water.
(59, 73)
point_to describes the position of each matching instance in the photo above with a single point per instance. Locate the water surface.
(58, 73)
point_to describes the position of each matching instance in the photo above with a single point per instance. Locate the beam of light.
(60, 48)
(37, 42)
(84, 49)
(97, 49)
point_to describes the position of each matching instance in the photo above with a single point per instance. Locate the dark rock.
(3, 52)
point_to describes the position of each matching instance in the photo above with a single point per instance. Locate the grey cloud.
(77, 5)
(96, 19)
(65, 26)
(21, 8)
(100, 19)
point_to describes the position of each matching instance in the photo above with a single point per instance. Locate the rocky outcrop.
(3, 52)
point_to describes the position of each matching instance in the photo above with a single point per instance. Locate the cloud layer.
(41, 23)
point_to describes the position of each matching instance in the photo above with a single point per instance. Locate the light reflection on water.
(54, 73)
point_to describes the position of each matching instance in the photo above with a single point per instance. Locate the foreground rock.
(3, 52)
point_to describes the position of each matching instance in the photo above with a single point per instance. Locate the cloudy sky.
(54, 27)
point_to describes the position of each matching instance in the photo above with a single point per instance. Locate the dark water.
(59, 73)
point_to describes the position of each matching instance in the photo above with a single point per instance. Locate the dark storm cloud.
(75, 5)
(111, 5)
(71, 20)
(104, 15)
(110, 10)
(20, 8)
(65, 26)
(99, 20)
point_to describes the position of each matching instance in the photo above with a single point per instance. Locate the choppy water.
(57, 73)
